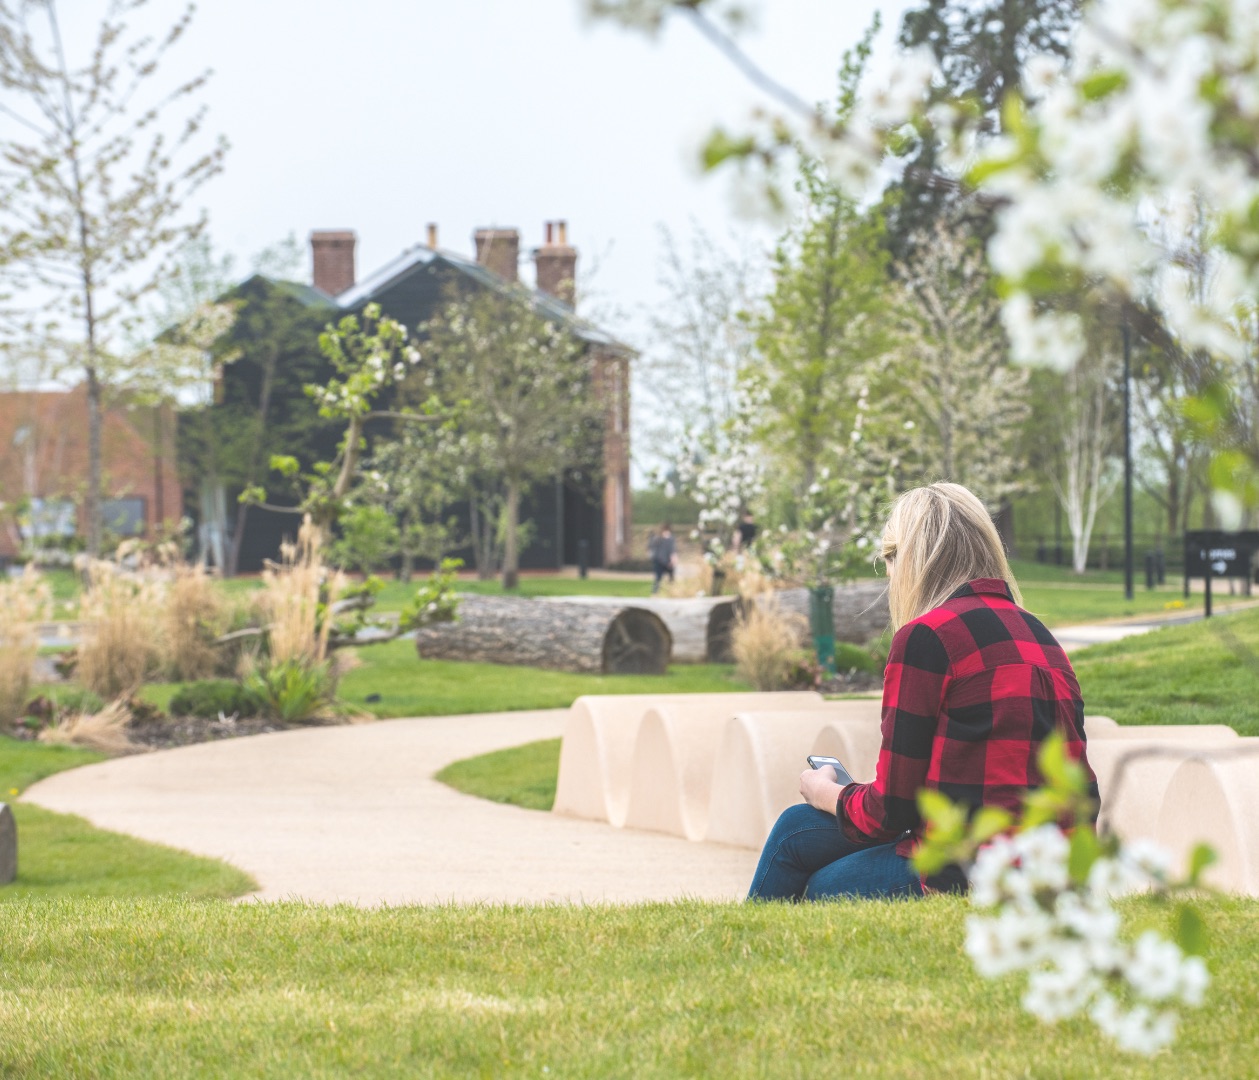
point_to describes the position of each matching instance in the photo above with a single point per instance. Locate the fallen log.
(699, 625)
(610, 638)
(861, 611)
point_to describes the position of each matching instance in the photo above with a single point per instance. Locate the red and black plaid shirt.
(971, 690)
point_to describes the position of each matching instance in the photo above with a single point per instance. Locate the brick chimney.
(333, 255)
(556, 264)
(498, 250)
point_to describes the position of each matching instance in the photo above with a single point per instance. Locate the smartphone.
(817, 761)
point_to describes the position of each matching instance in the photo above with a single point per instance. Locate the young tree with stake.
(95, 174)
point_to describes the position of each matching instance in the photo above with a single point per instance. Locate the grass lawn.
(1203, 673)
(409, 686)
(62, 855)
(168, 988)
(520, 775)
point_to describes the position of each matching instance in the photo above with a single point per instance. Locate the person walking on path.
(664, 554)
(745, 532)
(973, 685)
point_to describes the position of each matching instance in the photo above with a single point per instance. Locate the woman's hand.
(820, 789)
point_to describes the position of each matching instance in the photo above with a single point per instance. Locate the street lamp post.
(1127, 462)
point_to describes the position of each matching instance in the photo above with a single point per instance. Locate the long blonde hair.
(941, 537)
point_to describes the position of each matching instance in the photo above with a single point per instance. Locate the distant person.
(745, 532)
(973, 686)
(664, 554)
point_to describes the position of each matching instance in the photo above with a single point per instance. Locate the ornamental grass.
(194, 615)
(766, 643)
(26, 602)
(122, 614)
(104, 731)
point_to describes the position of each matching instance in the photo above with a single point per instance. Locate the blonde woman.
(973, 685)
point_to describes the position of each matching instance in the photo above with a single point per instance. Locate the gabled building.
(569, 519)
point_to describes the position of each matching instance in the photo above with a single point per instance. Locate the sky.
(384, 115)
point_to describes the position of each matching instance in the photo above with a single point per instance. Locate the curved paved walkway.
(352, 814)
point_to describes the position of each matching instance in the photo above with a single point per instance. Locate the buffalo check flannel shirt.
(971, 690)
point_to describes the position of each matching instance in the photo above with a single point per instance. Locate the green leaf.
(1202, 856)
(989, 822)
(939, 810)
(1191, 931)
(1103, 84)
(285, 464)
(1053, 760)
(1085, 850)
(722, 146)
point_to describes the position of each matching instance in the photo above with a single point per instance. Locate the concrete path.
(352, 814)
(1073, 638)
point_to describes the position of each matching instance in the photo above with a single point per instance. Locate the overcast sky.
(383, 115)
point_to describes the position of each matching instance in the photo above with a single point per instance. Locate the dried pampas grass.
(105, 731)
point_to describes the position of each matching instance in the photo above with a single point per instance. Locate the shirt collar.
(985, 586)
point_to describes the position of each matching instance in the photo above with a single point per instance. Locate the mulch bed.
(169, 731)
(852, 682)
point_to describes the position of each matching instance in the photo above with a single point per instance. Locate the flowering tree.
(527, 394)
(702, 338)
(954, 365)
(722, 469)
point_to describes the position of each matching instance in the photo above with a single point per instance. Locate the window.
(52, 519)
(125, 517)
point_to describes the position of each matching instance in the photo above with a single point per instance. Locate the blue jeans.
(807, 858)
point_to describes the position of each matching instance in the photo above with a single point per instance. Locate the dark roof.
(431, 261)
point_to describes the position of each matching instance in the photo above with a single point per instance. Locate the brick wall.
(44, 454)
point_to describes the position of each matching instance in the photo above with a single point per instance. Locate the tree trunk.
(251, 477)
(95, 480)
(511, 557)
(608, 638)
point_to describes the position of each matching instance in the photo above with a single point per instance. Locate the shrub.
(105, 730)
(25, 601)
(766, 644)
(122, 614)
(212, 697)
(803, 672)
(849, 657)
(295, 691)
(194, 614)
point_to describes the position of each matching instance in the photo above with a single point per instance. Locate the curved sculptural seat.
(762, 755)
(722, 767)
(677, 762)
(1216, 802)
(597, 751)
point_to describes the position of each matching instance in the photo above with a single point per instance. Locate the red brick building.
(44, 468)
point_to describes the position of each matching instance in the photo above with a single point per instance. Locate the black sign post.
(1211, 554)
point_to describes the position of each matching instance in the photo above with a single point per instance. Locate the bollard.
(1149, 570)
(583, 558)
(822, 624)
(1207, 601)
(8, 845)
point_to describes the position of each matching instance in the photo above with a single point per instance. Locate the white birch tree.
(1085, 479)
(95, 172)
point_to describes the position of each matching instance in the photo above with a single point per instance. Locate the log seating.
(720, 768)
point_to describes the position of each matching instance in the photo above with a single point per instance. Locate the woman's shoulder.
(981, 617)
